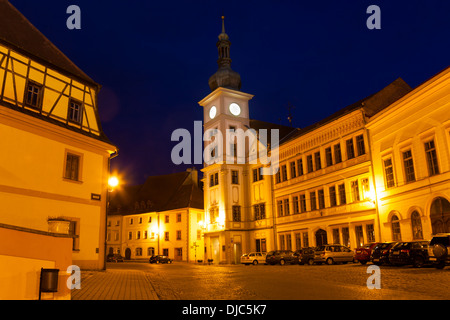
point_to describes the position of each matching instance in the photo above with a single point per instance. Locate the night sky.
(154, 58)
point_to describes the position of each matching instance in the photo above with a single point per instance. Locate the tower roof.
(224, 77)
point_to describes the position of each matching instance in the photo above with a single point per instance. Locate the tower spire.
(224, 77)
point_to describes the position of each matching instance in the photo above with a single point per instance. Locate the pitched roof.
(371, 105)
(158, 193)
(19, 34)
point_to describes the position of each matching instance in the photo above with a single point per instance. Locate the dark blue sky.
(154, 59)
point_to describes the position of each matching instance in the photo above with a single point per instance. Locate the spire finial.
(223, 24)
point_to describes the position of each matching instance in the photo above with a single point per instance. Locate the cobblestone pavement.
(114, 284)
(182, 281)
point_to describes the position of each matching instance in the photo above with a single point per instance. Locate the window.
(317, 160)
(345, 236)
(145, 234)
(409, 166)
(293, 170)
(282, 242)
(130, 235)
(370, 231)
(74, 233)
(178, 234)
(365, 186)
(131, 220)
(309, 163)
(138, 252)
(389, 173)
(138, 235)
(312, 197)
(261, 245)
(321, 197)
(302, 203)
(336, 236)
(166, 219)
(72, 168)
(234, 177)
(166, 235)
(337, 153)
(416, 225)
(295, 204)
(75, 111)
(236, 213)
(257, 175)
(140, 220)
(432, 162)
(298, 240)
(360, 148)
(280, 208)
(395, 226)
(288, 242)
(278, 177)
(33, 94)
(300, 167)
(350, 149)
(305, 239)
(260, 211)
(286, 207)
(359, 236)
(178, 217)
(342, 197)
(284, 172)
(214, 179)
(355, 191)
(150, 251)
(328, 157)
(333, 202)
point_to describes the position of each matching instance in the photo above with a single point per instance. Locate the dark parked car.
(438, 250)
(362, 254)
(282, 257)
(410, 253)
(114, 258)
(380, 253)
(305, 255)
(160, 259)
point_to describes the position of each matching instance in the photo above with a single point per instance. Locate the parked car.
(305, 255)
(282, 257)
(410, 253)
(438, 250)
(160, 259)
(380, 253)
(114, 258)
(332, 253)
(253, 258)
(363, 253)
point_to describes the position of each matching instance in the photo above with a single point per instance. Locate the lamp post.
(113, 182)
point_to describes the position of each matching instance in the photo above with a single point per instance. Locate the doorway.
(127, 253)
(321, 237)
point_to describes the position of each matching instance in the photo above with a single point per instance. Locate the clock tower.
(226, 110)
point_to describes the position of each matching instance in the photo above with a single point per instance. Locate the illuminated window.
(355, 190)
(416, 225)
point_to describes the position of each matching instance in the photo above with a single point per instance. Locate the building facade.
(55, 156)
(329, 187)
(411, 162)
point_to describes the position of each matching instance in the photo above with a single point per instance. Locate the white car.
(253, 258)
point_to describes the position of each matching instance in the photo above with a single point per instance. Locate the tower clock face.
(212, 112)
(235, 109)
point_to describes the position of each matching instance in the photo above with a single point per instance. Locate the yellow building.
(55, 157)
(161, 217)
(411, 161)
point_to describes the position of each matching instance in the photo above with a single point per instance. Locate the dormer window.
(75, 111)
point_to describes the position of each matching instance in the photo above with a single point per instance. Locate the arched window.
(416, 225)
(440, 215)
(395, 226)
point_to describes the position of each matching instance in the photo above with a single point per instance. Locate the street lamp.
(113, 182)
